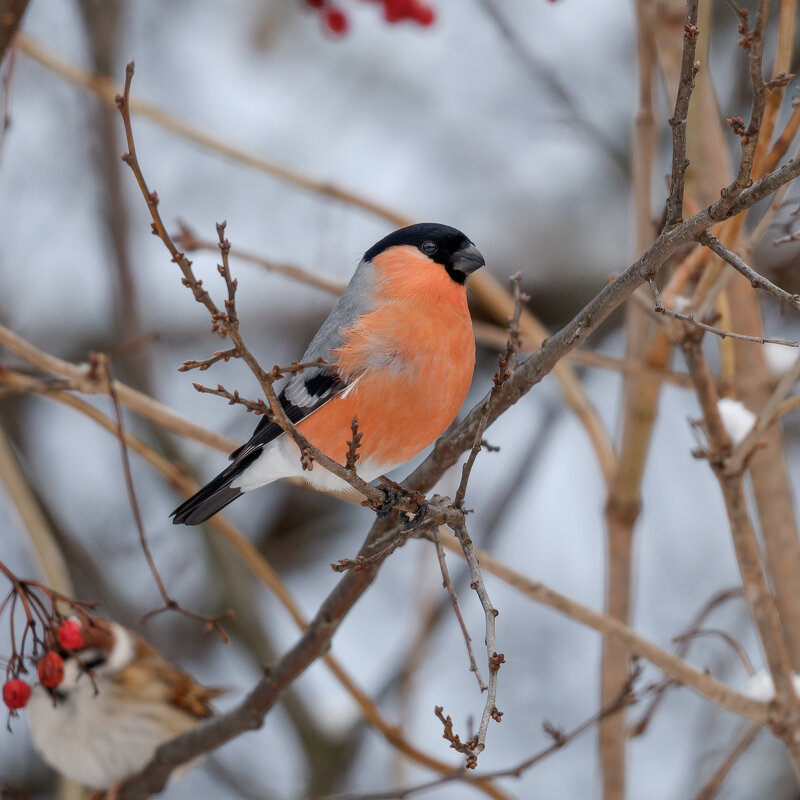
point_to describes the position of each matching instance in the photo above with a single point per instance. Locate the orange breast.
(413, 356)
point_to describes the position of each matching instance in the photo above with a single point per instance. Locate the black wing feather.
(308, 391)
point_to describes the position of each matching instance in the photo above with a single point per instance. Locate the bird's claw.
(419, 515)
(394, 493)
(387, 506)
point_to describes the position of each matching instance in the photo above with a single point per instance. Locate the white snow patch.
(737, 418)
(780, 358)
(760, 686)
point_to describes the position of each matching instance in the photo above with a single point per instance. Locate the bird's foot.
(392, 496)
(394, 493)
(418, 517)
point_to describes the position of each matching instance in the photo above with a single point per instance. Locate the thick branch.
(250, 713)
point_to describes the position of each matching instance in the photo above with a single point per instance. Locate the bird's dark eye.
(429, 248)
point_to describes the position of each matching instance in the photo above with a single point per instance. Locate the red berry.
(336, 20)
(424, 15)
(397, 10)
(16, 693)
(315, 3)
(69, 635)
(51, 670)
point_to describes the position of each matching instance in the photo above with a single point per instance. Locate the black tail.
(216, 494)
(213, 497)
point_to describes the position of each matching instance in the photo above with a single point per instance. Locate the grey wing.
(357, 299)
(312, 388)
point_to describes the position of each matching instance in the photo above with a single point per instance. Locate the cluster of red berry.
(398, 10)
(50, 667)
(394, 11)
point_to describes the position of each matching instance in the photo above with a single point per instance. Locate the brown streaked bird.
(400, 352)
(101, 728)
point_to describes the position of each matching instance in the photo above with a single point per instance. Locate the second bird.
(400, 352)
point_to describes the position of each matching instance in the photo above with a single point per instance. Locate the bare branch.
(448, 584)
(11, 13)
(226, 324)
(757, 281)
(352, 456)
(702, 683)
(170, 604)
(249, 714)
(541, 72)
(689, 68)
(189, 241)
(690, 320)
(736, 646)
(490, 711)
(753, 42)
(256, 406)
(744, 741)
(760, 601)
(560, 740)
(681, 650)
(87, 381)
(506, 363)
(220, 355)
(254, 561)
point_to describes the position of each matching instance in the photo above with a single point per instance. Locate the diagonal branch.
(757, 281)
(254, 561)
(249, 714)
(448, 448)
(484, 286)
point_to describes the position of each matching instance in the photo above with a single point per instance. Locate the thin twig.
(226, 324)
(689, 319)
(740, 456)
(352, 455)
(490, 711)
(689, 68)
(559, 738)
(757, 591)
(258, 407)
(212, 623)
(189, 241)
(744, 741)
(87, 381)
(752, 41)
(757, 281)
(681, 651)
(506, 363)
(220, 355)
(448, 584)
(736, 646)
(541, 72)
(255, 562)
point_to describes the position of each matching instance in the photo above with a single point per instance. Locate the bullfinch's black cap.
(441, 243)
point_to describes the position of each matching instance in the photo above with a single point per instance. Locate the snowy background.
(442, 123)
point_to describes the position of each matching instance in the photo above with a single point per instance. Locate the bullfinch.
(400, 354)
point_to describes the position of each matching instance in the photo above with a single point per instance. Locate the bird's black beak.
(468, 259)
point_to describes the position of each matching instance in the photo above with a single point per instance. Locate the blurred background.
(512, 121)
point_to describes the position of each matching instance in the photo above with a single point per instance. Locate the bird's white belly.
(88, 739)
(281, 459)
